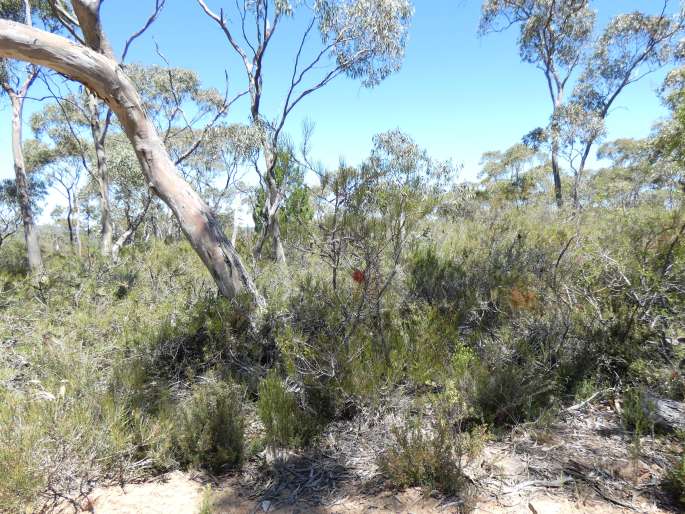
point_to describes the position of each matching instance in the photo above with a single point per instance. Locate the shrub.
(279, 412)
(636, 412)
(22, 479)
(674, 482)
(433, 457)
(514, 382)
(209, 430)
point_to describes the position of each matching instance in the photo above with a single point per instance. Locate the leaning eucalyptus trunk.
(96, 68)
(101, 176)
(23, 196)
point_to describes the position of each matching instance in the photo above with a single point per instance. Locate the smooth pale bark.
(273, 225)
(272, 228)
(77, 225)
(102, 75)
(556, 169)
(101, 175)
(279, 252)
(23, 197)
(128, 233)
(272, 197)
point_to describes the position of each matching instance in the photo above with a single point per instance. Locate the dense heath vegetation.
(486, 304)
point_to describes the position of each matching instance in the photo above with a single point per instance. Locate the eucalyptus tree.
(184, 112)
(93, 64)
(10, 212)
(131, 198)
(632, 46)
(630, 176)
(15, 81)
(512, 172)
(77, 128)
(61, 167)
(362, 39)
(553, 36)
(296, 212)
(669, 137)
(558, 37)
(78, 112)
(206, 151)
(66, 176)
(10, 218)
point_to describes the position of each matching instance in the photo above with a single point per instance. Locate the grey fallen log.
(665, 414)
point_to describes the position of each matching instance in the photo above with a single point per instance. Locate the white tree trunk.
(102, 177)
(23, 197)
(76, 221)
(102, 75)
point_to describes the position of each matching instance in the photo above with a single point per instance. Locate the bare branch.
(159, 4)
(220, 20)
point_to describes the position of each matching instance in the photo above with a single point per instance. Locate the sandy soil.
(583, 463)
(180, 494)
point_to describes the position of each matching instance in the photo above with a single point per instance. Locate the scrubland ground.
(498, 361)
(583, 462)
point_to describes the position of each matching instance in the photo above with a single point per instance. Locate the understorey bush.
(209, 427)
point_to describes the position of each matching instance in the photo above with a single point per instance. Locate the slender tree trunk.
(23, 196)
(70, 228)
(557, 180)
(101, 73)
(279, 253)
(579, 176)
(126, 236)
(557, 102)
(101, 176)
(272, 227)
(120, 242)
(77, 225)
(271, 231)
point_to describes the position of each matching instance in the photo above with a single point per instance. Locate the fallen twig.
(582, 404)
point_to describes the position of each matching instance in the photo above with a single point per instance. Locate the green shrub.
(279, 413)
(636, 412)
(434, 455)
(209, 430)
(13, 261)
(291, 419)
(513, 383)
(674, 483)
(22, 477)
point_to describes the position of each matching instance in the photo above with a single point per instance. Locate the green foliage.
(296, 212)
(636, 412)
(209, 429)
(674, 483)
(433, 457)
(94, 360)
(487, 307)
(284, 422)
(207, 505)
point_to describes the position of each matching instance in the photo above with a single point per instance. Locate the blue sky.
(457, 94)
